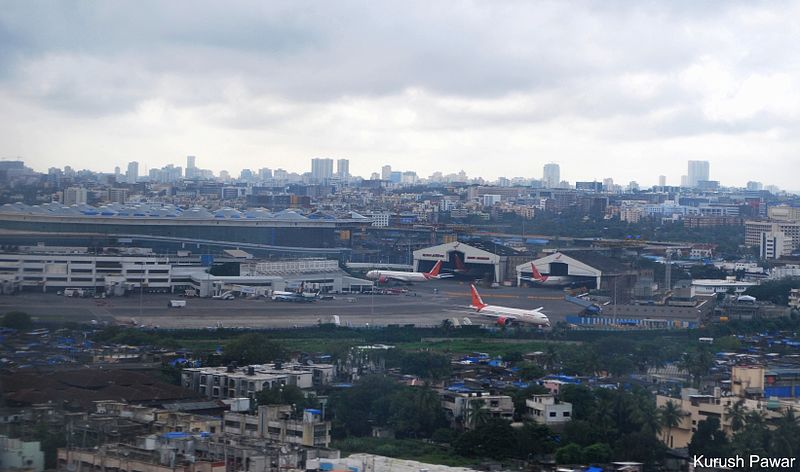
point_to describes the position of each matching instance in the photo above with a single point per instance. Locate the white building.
(133, 172)
(458, 406)
(708, 287)
(16, 454)
(75, 196)
(231, 382)
(380, 220)
(490, 200)
(547, 410)
(321, 169)
(775, 244)
(343, 168)
(551, 175)
(698, 170)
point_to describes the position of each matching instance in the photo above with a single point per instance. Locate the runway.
(425, 304)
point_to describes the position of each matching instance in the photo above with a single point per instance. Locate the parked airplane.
(407, 277)
(549, 280)
(280, 296)
(507, 316)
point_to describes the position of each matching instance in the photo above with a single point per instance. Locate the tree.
(285, 395)
(17, 320)
(534, 439)
(477, 415)
(754, 437)
(356, 410)
(253, 348)
(598, 453)
(670, 415)
(736, 413)
(495, 438)
(569, 454)
(709, 439)
(415, 412)
(784, 439)
(582, 399)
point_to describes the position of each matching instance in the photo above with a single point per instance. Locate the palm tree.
(477, 415)
(670, 415)
(784, 438)
(736, 415)
(550, 357)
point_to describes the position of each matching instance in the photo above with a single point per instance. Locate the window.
(552, 414)
(566, 414)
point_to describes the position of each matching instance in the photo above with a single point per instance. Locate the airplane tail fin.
(536, 274)
(459, 263)
(477, 301)
(436, 268)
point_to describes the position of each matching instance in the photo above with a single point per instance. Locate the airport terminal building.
(52, 269)
(155, 225)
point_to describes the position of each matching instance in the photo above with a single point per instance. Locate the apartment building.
(279, 423)
(233, 382)
(547, 410)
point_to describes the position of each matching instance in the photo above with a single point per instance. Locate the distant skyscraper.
(265, 173)
(343, 168)
(698, 170)
(662, 180)
(386, 172)
(117, 173)
(75, 196)
(552, 175)
(133, 172)
(321, 168)
(191, 167)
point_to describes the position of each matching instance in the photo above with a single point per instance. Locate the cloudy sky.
(622, 89)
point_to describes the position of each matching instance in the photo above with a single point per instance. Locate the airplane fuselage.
(514, 314)
(398, 275)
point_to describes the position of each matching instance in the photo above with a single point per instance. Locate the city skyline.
(689, 179)
(594, 88)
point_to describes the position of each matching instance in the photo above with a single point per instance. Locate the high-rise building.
(386, 172)
(552, 175)
(321, 169)
(343, 168)
(754, 186)
(190, 162)
(117, 195)
(264, 173)
(133, 172)
(698, 170)
(75, 196)
(662, 180)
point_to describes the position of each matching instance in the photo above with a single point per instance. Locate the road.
(426, 304)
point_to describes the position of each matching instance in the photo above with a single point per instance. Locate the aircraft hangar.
(473, 260)
(589, 268)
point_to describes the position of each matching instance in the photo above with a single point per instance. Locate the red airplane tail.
(459, 264)
(435, 271)
(477, 301)
(536, 274)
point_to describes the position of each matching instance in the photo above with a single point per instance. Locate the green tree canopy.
(253, 348)
(17, 320)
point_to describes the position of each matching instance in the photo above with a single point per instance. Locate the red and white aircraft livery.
(548, 280)
(507, 316)
(408, 277)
